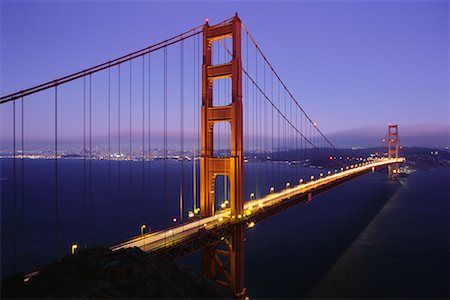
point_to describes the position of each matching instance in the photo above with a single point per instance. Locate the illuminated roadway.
(173, 236)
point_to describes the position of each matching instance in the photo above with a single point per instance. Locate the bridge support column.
(233, 166)
(223, 262)
(393, 150)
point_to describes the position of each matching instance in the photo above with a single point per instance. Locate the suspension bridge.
(198, 132)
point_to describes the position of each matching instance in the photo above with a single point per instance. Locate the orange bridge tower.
(223, 261)
(393, 149)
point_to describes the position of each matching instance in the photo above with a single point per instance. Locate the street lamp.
(300, 181)
(74, 247)
(252, 195)
(143, 229)
(288, 184)
(272, 190)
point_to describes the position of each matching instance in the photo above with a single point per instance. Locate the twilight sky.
(355, 66)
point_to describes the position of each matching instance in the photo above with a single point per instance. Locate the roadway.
(170, 237)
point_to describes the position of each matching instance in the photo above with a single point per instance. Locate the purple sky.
(355, 66)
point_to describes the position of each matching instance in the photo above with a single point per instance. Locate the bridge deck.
(190, 236)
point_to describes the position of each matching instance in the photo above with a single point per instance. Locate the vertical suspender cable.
(130, 157)
(292, 148)
(84, 165)
(247, 99)
(272, 126)
(22, 184)
(181, 128)
(285, 129)
(143, 139)
(56, 175)
(14, 228)
(165, 136)
(194, 108)
(253, 134)
(296, 148)
(199, 98)
(264, 132)
(90, 158)
(302, 152)
(149, 125)
(279, 135)
(119, 187)
(257, 127)
(194, 170)
(109, 149)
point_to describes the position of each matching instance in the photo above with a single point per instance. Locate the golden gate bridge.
(207, 100)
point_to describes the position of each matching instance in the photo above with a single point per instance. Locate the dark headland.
(125, 274)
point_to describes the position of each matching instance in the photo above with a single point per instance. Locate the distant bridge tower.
(393, 149)
(223, 261)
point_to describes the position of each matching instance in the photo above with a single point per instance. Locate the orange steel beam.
(393, 149)
(233, 167)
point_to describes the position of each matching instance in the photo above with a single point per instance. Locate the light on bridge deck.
(300, 181)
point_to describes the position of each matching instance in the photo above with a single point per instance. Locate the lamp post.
(74, 247)
(142, 235)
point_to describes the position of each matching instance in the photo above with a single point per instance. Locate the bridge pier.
(223, 261)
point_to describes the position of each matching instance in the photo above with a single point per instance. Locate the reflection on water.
(369, 238)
